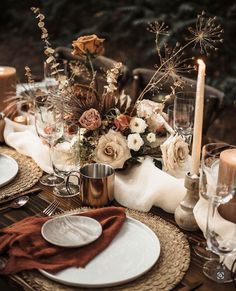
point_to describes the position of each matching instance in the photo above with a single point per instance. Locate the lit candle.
(21, 119)
(7, 84)
(198, 119)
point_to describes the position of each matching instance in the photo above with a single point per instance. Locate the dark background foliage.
(123, 23)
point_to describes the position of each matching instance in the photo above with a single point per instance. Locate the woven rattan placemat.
(28, 175)
(166, 273)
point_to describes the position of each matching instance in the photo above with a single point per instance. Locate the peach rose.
(88, 44)
(112, 149)
(122, 122)
(156, 122)
(90, 119)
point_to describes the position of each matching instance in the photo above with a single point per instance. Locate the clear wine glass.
(208, 181)
(66, 157)
(221, 233)
(184, 104)
(49, 126)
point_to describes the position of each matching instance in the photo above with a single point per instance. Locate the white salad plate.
(71, 231)
(8, 169)
(132, 253)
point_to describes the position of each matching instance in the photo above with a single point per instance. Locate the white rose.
(137, 125)
(135, 141)
(146, 108)
(151, 137)
(112, 149)
(174, 153)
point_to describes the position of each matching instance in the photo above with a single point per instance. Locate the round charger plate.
(132, 253)
(168, 271)
(28, 175)
(71, 231)
(8, 169)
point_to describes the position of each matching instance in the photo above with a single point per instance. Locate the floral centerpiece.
(113, 128)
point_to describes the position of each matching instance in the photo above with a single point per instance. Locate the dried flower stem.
(49, 51)
(206, 33)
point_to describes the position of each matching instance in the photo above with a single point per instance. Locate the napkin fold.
(145, 186)
(24, 247)
(24, 139)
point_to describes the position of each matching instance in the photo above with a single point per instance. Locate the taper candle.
(198, 119)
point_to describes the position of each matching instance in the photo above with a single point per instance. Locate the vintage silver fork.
(51, 208)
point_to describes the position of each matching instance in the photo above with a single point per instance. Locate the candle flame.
(200, 62)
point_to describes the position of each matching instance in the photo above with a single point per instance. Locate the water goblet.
(221, 234)
(184, 114)
(66, 157)
(208, 182)
(49, 126)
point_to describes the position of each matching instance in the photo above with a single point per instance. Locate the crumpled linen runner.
(24, 139)
(144, 186)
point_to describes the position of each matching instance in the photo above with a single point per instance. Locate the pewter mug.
(96, 183)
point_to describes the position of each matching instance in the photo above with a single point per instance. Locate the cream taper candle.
(198, 119)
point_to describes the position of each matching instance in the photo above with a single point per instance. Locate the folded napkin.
(24, 139)
(25, 248)
(145, 185)
(223, 227)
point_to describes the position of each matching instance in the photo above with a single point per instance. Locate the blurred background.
(123, 23)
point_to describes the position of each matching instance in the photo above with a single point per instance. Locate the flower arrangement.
(113, 129)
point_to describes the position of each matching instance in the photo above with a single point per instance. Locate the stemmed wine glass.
(221, 233)
(212, 189)
(66, 157)
(184, 103)
(49, 126)
(208, 179)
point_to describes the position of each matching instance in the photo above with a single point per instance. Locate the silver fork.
(51, 208)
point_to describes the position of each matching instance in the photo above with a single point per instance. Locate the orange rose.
(88, 44)
(122, 122)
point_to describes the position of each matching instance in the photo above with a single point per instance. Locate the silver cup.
(96, 183)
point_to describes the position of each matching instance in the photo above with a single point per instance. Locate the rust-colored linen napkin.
(24, 247)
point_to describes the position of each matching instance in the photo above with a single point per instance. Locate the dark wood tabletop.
(39, 201)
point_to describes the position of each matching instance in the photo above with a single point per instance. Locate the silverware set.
(51, 208)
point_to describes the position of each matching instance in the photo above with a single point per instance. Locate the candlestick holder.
(184, 212)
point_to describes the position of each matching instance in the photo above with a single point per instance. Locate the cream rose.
(146, 108)
(88, 44)
(112, 149)
(174, 153)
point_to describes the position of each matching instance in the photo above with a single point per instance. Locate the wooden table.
(39, 201)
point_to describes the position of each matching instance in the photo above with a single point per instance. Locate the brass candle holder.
(184, 212)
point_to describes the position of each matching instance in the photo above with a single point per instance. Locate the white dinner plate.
(71, 231)
(8, 169)
(133, 252)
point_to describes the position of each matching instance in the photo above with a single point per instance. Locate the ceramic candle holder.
(184, 212)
